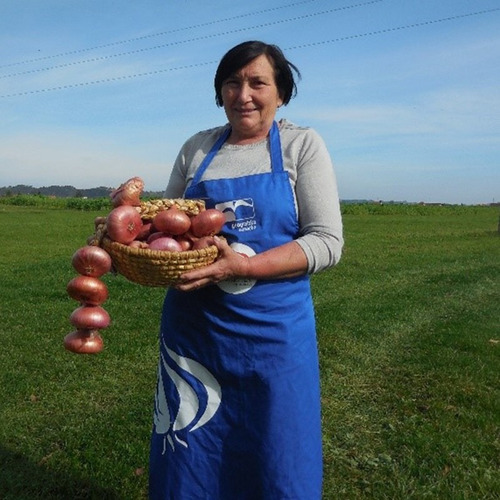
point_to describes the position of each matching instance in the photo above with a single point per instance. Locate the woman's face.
(250, 99)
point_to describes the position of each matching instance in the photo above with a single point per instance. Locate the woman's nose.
(244, 94)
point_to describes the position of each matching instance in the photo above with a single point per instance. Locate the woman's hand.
(285, 261)
(229, 264)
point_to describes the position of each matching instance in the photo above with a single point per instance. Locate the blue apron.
(237, 407)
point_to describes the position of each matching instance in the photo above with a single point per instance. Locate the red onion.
(91, 261)
(165, 243)
(203, 242)
(90, 318)
(138, 244)
(145, 231)
(184, 242)
(128, 193)
(83, 342)
(87, 290)
(155, 236)
(172, 221)
(124, 224)
(207, 223)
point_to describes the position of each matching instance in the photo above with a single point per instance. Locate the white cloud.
(66, 158)
(460, 113)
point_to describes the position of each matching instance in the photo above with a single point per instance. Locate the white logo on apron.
(237, 209)
(238, 285)
(189, 411)
(240, 214)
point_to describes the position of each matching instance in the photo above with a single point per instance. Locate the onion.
(138, 244)
(203, 242)
(83, 342)
(128, 193)
(91, 261)
(185, 243)
(165, 243)
(155, 236)
(124, 224)
(145, 231)
(207, 223)
(87, 290)
(90, 318)
(172, 221)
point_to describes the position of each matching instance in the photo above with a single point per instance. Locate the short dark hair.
(242, 54)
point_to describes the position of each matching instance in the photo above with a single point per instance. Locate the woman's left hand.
(229, 264)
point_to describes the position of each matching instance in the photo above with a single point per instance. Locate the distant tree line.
(65, 191)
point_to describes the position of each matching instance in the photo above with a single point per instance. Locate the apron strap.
(206, 161)
(274, 147)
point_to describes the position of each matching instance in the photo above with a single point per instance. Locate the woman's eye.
(257, 84)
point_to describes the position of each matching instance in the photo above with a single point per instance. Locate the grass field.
(408, 333)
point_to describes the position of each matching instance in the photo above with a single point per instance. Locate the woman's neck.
(237, 139)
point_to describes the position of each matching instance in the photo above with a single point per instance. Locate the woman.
(237, 412)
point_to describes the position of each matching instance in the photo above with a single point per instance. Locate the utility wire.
(311, 44)
(196, 39)
(163, 33)
(397, 28)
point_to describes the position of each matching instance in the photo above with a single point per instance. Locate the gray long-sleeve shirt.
(310, 169)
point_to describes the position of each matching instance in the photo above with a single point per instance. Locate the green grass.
(407, 325)
(410, 377)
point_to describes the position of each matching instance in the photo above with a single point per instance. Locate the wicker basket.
(153, 267)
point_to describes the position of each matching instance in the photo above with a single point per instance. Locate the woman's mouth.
(245, 111)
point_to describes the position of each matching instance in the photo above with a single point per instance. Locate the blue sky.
(405, 93)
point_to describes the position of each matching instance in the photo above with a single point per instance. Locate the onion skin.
(165, 243)
(128, 193)
(172, 221)
(83, 342)
(123, 224)
(207, 223)
(88, 290)
(91, 261)
(90, 318)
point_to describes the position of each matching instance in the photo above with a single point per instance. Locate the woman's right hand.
(229, 264)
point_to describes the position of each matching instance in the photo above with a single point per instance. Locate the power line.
(389, 30)
(162, 33)
(112, 79)
(195, 39)
(206, 63)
